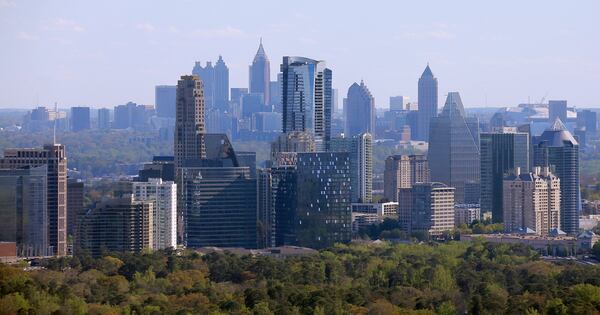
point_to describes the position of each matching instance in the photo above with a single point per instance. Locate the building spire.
(54, 127)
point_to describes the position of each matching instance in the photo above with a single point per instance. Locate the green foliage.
(449, 278)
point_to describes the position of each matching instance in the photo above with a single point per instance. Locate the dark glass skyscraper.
(557, 148)
(428, 103)
(360, 110)
(453, 149)
(260, 74)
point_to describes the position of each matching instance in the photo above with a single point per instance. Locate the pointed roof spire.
(453, 106)
(557, 125)
(427, 72)
(260, 54)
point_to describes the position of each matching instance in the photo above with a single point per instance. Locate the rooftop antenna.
(55, 118)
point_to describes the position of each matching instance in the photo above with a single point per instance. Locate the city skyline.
(60, 45)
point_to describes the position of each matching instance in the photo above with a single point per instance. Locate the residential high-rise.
(501, 152)
(189, 124)
(427, 208)
(103, 118)
(165, 98)
(164, 197)
(557, 109)
(306, 97)
(260, 74)
(207, 76)
(75, 200)
(558, 149)
(54, 157)
(360, 150)
(531, 201)
(23, 210)
(360, 110)
(221, 85)
(403, 171)
(428, 103)
(121, 225)
(453, 147)
(80, 118)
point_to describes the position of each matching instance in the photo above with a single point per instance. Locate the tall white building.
(531, 201)
(164, 196)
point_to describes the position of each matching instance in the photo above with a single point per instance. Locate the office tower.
(306, 97)
(165, 99)
(398, 102)
(557, 148)
(221, 85)
(162, 167)
(266, 216)
(207, 76)
(360, 110)
(587, 119)
(103, 118)
(252, 103)
(260, 74)
(266, 122)
(501, 152)
(80, 118)
(40, 114)
(557, 109)
(531, 201)
(123, 115)
(428, 103)
(360, 150)
(74, 204)
(275, 95)
(189, 125)
(236, 101)
(453, 151)
(322, 214)
(429, 207)
(53, 156)
(163, 196)
(23, 210)
(293, 142)
(403, 171)
(334, 101)
(120, 225)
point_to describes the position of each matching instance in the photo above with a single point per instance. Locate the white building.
(164, 197)
(466, 213)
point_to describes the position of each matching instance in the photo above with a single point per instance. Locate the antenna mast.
(55, 118)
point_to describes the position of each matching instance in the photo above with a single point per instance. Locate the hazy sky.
(105, 53)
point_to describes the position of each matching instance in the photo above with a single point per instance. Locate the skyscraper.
(403, 171)
(165, 99)
(501, 152)
(164, 197)
(557, 148)
(360, 110)
(531, 201)
(360, 150)
(207, 76)
(429, 207)
(428, 103)
(557, 109)
(260, 74)
(453, 148)
(221, 85)
(189, 124)
(53, 156)
(80, 118)
(587, 119)
(75, 199)
(103, 118)
(306, 97)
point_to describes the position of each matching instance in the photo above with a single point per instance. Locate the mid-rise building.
(75, 201)
(465, 213)
(428, 104)
(403, 171)
(426, 208)
(103, 118)
(360, 110)
(260, 75)
(80, 118)
(532, 201)
(165, 98)
(164, 197)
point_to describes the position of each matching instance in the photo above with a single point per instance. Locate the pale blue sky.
(105, 53)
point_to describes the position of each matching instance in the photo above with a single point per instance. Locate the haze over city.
(111, 52)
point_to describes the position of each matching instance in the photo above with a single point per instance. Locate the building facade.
(360, 111)
(189, 124)
(75, 200)
(427, 208)
(260, 75)
(428, 103)
(165, 98)
(221, 85)
(403, 171)
(103, 118)
(80, 118)
(163, 195)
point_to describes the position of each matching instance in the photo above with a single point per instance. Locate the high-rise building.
(75, 202)
(453, 147)
(429, 207)
(306, 97)
(360, 110)
(23, 210)
(80, 118)
(266, 215)
(398, 102)
(501, 152)
(207, 76)
(275, 95)
(293, 142)
(428, 103)
(403, 171)
(531, 201)
(557, 109)
(360, 150)
(121, 225)
(53, 156)
(165, 99)
(103, 118)
(260, 74)
(189, 124)
(252, 103)
(557, 148)
(164, 197)
(587, 119)
(221, 85)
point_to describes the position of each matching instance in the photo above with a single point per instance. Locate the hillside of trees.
(452, 278)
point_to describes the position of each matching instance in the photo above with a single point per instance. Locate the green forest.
(450, 278)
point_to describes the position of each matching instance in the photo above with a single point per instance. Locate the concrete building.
(80, 118)
(360, 110)
(531, 201)
(165, 99)
(53, 156)
(260, 74)
(403, 171)
(163, 195)
(428, 103)
(426, 208)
